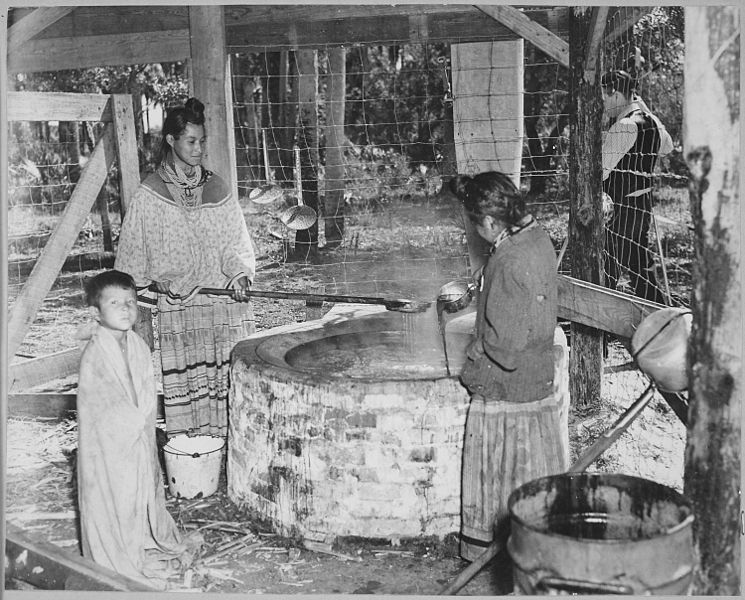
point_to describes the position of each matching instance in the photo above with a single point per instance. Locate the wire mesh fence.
(46, 160)
(387, 171)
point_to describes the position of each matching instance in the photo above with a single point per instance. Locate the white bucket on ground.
(193, 464)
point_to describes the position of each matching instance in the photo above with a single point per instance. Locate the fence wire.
(402, 234)
(45, 162)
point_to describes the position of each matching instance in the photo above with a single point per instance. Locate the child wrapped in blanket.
(124, 523)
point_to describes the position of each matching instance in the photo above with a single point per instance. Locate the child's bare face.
(117, 308)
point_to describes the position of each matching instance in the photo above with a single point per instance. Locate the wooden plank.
(45, 405)
(462, 26)
(126, 147)
(528, 29)
(599, 307)
(52, 405)
(592, 51)
(212, 85)
(49, 567)
(258, 16)
(61, 241)
(121, 19)
(58, 106)
(488, 106)
(28, 27)
(81, 52)
(26, 374)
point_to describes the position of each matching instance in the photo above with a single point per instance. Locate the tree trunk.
(333, 212)
(585, 211)
(272, 85)
(712, 467)
(306, 240)
(536, 156)
(245, 134)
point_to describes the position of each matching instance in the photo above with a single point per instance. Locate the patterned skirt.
(196, 339)
(506, 445)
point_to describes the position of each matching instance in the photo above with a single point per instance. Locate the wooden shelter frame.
(56, 38)
(53, 38)
(118, 141)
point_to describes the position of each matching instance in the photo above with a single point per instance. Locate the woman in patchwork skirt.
(184, 230)
(513, 432)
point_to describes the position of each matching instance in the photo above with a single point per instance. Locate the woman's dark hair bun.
(195, 107)
(459, 185)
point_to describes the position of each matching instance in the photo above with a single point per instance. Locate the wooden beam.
(592, 50)
(601, 308)
(58, 106)
(52, 405)
(247, 15)
(527, 28)
(49, 567)
(123, 19)
(61, 241)
(25, 29)
(30, 373)
(79, 52)
(463, 27)
(45, 405)
(126, 147)
(211, 84)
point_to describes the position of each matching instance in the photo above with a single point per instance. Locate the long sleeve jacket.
(511, 358)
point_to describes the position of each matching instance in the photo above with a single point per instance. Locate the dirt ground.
(241, 553)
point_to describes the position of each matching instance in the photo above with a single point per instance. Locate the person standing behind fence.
(631, 145)
(183, 230)
(513, 432)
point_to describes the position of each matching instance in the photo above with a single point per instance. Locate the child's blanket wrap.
(124, 523)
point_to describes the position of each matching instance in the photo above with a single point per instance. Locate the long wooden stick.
(588, 457)
(401, 305)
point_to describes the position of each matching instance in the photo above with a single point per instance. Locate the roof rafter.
(527, 28)
(21, 32)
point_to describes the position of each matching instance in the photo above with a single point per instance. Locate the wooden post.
(287, 112)
(335, 184)
(211, 84)
(61, 241)
(585, 211)
(122, 112)
(712, 146)
(487, 117)
(306, 241)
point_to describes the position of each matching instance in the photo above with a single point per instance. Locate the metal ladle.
(456, 295)
(298, 217)
(452, 297)
(265, 194)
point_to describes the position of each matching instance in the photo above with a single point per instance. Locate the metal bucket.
(596, 533)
